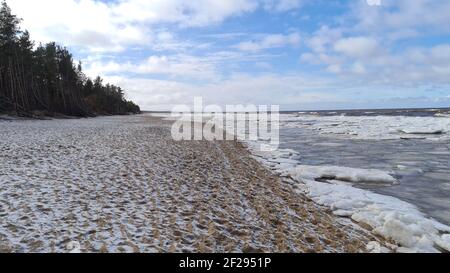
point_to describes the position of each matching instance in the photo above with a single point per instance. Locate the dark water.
(422, 166)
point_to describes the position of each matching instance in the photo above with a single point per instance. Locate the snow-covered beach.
(121, 184)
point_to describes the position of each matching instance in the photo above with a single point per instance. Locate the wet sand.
(121, 184)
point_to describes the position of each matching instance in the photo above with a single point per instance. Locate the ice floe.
(372, 127)
(387, 216)
(344, 174)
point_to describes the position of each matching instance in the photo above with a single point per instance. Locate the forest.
(44, 80)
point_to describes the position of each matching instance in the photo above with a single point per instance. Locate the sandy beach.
(121, 184)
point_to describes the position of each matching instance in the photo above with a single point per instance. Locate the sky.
(299, 54)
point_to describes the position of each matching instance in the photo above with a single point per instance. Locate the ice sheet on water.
(387, 216)
(344, 174)
(422, 131)
(372, 127)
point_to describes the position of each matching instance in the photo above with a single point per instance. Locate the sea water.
(413, 145)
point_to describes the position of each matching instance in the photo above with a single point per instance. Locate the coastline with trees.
(44, 80)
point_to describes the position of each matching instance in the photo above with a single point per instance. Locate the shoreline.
(121, 184)
(402, 223)
(55, 115)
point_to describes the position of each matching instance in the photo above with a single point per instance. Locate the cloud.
(358, 68)
(374, 2)
(89, 23)
(320, 58)
(323, 38)
(85, 23)
(334, 68)
(282, 5)
(441, 52)
(364, 46)
(411, 67)
(238, 89)
(404, 16)
(270, 41)
(180, 66)
(359, 47)
(184, 13)
(292, 92)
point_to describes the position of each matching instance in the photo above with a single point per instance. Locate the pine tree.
(46, 79)
(9, 29)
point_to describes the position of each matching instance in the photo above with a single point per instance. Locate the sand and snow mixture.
(121, 184)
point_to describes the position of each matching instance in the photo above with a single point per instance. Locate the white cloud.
(324, 38)
(410, 67)
(239, 89)
(270, 41)
(90, 24)
(363, 47)
(208, 67)
(319, 58)
(181, 66)
(403, 16)
(84, 23)
(441, 52)
(282, 5)
(358, 68)
(359, 47)
(374, 2)
(334, 68)
(185, 13)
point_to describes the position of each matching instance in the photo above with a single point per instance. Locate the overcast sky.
(300, 54)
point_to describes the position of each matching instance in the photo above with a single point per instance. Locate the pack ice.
(387, 216)
(373, 127)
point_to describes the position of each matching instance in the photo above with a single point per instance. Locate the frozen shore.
(121, 184)
(409, 229)
(347, 189)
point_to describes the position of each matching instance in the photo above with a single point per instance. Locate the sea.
(413, 145)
